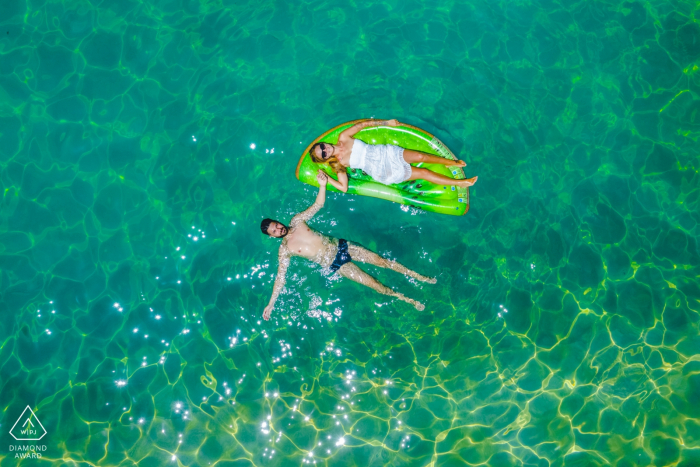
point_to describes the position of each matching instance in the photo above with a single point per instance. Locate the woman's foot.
(419, 306)
(459, 163)
(468, 182)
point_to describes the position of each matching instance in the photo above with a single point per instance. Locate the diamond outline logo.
(30, 423)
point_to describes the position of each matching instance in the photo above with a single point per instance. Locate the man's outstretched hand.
(267, 312)
(322, 178)
(392, 122)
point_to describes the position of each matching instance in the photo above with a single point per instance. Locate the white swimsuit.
(383, 162)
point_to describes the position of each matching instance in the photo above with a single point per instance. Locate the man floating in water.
(338, 255)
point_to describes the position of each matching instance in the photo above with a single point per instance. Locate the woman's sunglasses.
(323, 151)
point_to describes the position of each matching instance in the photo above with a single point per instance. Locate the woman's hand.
(392, 122)
(322, 178)
(267, 312)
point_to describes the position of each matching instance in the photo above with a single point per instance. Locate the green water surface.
(563, 329)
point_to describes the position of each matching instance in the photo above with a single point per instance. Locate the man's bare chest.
(303, 241)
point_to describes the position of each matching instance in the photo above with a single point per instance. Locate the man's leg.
(354, 273)
(358, 253)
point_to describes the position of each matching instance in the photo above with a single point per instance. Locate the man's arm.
(305, 216)
(284, 258)
(356, 128)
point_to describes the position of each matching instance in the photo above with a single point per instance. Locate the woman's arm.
(342, 182)
(353, 130)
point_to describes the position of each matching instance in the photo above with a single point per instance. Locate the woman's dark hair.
(265, 224)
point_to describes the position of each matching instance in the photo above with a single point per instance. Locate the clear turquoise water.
(125, 131)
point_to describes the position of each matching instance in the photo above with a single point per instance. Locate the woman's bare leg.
(414, 157)
(354, 273)
(358, 253)
(429, 175)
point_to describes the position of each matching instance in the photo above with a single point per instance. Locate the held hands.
(322, 178)
(392, 122)
(267, 312)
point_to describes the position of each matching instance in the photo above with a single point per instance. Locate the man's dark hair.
(265, 224)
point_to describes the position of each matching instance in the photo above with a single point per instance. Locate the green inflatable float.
(419, 194)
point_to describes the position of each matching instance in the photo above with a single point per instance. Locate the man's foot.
(468, 182)
(419, 306)
(421, 277)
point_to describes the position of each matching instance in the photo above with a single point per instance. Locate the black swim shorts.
(342, 256)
